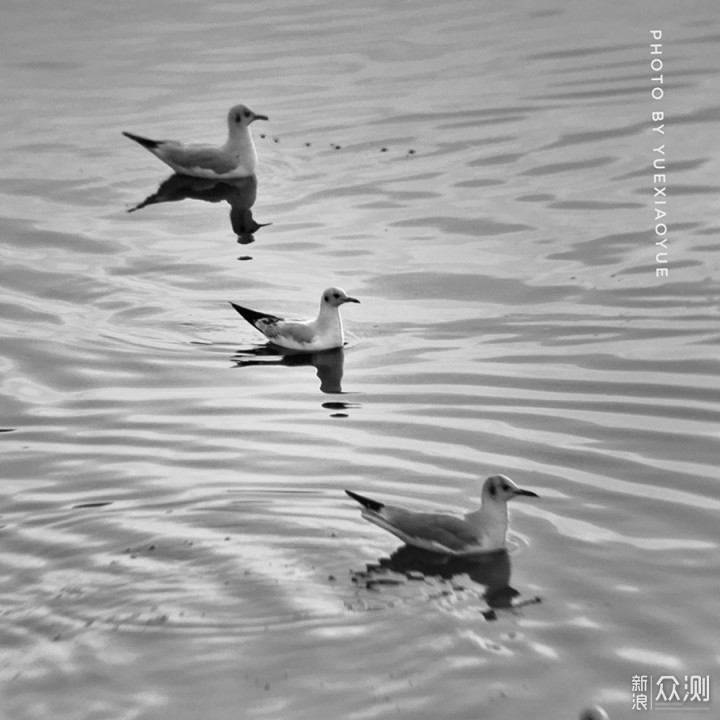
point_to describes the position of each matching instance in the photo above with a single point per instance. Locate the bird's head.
(335, 297)
(500, 488)
(241, 116)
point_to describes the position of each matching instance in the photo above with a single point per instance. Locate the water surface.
(175, 539)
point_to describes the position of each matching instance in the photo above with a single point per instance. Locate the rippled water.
(175, 541)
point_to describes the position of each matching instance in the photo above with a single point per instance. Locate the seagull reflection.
(240, 194)
(328, 363)
(489, 569)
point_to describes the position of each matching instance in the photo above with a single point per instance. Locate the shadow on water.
(239, 194)
(328, 364)
(490, 570)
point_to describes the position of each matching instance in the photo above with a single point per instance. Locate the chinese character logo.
(670, 691)
(640, 692)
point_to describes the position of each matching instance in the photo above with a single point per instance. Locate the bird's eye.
(246, 113)
(336, 295)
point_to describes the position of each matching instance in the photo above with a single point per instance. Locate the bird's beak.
(258, 117)
(350, 299)
(527, 493)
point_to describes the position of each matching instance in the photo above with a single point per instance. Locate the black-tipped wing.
(287, 334)
(257, 319)
(145, 142)
(370, 504)
(431, 531)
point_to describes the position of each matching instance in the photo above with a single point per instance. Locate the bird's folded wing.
(296, 331)
(447, 531)
(207, 158)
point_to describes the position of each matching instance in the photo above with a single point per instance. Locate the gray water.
(175, 541)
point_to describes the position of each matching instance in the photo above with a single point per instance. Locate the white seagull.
(237, 158)
(323, 333)
(482, 530)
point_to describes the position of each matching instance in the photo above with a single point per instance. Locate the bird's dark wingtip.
(253, 316)
(145, 142)
(249, 315)
(365, 501)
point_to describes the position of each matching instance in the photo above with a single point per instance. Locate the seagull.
(237, 158)
(323, 333)
(482, 530)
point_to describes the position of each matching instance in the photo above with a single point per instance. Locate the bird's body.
(237, 158)
(482, 530)
(325, 332)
